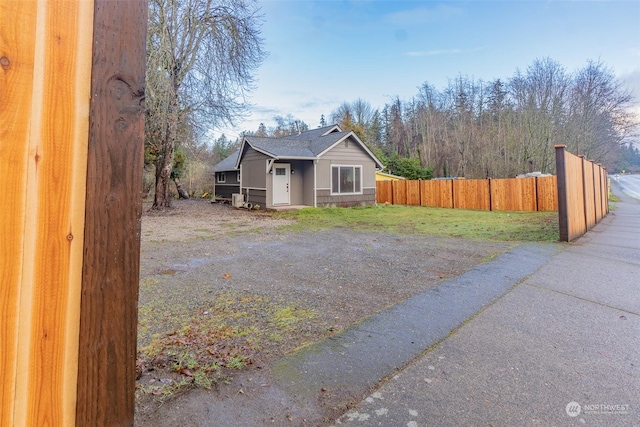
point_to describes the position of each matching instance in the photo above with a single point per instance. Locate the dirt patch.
(224, 293)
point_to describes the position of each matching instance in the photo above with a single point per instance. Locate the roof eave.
(296, 158)
(334, 127)
(245, 141)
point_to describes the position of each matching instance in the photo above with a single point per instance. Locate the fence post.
(490, 198)
(108, 311)
(535, 194)
(453, 196)
(561, 182)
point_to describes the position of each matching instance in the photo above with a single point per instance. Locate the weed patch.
(220, 335)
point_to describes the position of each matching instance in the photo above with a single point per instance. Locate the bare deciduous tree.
(201, 55)
(500, 129)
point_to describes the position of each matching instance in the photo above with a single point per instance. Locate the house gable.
(347, 139)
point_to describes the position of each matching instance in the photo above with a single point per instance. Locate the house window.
(222, 177)
(346, 179)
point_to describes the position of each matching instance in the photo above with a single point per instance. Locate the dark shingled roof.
(229, 163)
(305, 145)
(295, 146)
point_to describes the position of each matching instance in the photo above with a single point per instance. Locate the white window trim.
(222, 177)
(347, 166)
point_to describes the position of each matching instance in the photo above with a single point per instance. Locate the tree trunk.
(181, 193)
(162, 197)
(164, 163)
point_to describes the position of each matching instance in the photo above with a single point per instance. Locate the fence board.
(47, 179)
(384, 192)
(437, 193)
(471, 194)
(17, 43)
(413, 192)
(399, 191)
(598, 192)
(589, 194)
(604, 191)
(513, 194)
(575, 197)
(547, 193)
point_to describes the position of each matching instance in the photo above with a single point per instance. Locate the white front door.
(281, 183)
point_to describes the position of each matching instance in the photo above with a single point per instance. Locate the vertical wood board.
(471, 194)
(597, 182)
(589, 194)
(437, 193)
(513, 194)
(399, 192)
(575, 196)
(547, 193)
(45, 59)
(17, 46)
(413, 192)
(384, 192)
(106, 378)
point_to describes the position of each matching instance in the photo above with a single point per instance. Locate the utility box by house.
(237, 200)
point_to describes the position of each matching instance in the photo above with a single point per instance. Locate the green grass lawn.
(470, 224)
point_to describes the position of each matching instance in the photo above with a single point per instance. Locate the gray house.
(227, 177)
(320, 167)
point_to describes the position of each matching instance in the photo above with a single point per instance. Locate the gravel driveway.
(202, 250)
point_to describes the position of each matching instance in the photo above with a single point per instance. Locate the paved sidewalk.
(561, 348)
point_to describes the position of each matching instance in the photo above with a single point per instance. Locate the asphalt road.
(628, 184)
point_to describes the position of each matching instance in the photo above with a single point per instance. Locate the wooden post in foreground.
(71, 143)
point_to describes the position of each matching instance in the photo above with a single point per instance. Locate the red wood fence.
(512, 194)
(583, 194)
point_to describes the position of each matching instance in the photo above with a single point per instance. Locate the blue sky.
(325, 52)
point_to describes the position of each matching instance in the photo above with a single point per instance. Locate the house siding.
(301, 182)
(347, 152)
(231, 185)
(257, 197)
(308, 178)
(325, 199)
(225, 191)
(341, 154)
(254, 169)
